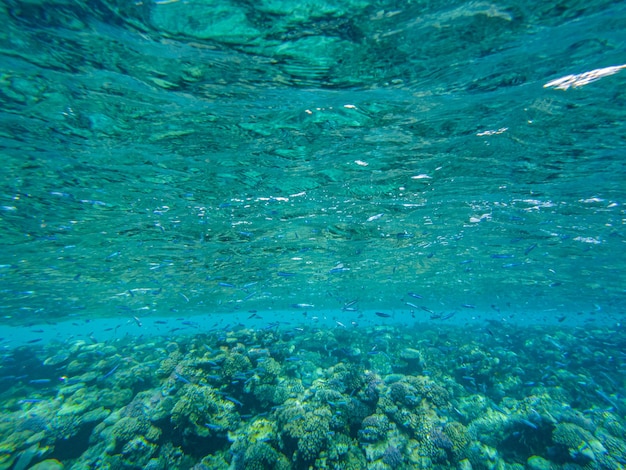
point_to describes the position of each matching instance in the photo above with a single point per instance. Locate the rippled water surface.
(201, 156)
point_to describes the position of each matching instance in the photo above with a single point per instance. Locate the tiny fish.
(412, 399)
(459, 412)
(528, 423)
(30, 400)
(108, 374)
(530, 248)
(498, 409)
(383, 315)
(403, 235)
(502, 256)
(302, 305)
(249, 296)
(414, 295)
(233, 400)
(182, 379)
(39, 381)
(375, 217)
(337, 403)
(607, 398)
(113, 255)
(213, 427)
(285, 274)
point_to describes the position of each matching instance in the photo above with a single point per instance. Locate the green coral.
(49, 464)
(128, 428)
(271, 371)
(294, 386)
(613, 424)
(483, 366)
(581, 445)
(489, 428)
(346, 377)
(198, 406)
(374, 428)
(167, 365)
(271, 394)
(356, 378)
(173, 456)
(482, 456)
(309, 430)
(457, 433)
(138, 451)
(123, 441)
(343, 454)
(400, 392)
(261, 456)
(325, 395)
(536, 462)
(426, 387)
(615, 446)
(235, 363)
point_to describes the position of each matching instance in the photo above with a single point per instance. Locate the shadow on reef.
(74, 447)
(526, 439)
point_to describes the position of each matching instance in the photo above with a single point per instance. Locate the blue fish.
(233, 400)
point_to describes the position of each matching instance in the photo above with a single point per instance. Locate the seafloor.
(350, 397)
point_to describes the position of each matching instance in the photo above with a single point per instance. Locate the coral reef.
(265, 399)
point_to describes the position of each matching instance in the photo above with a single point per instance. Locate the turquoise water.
(398, 224)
